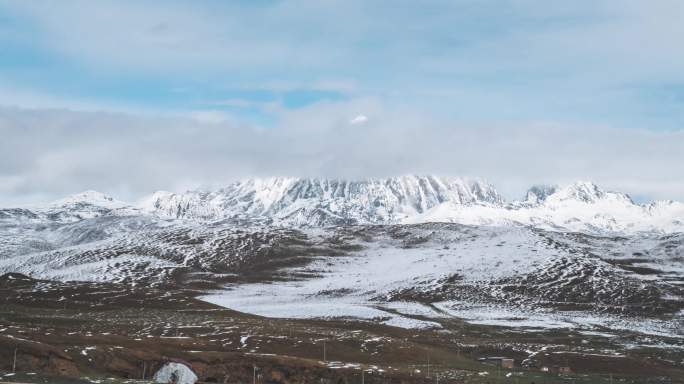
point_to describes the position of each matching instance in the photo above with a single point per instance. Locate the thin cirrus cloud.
(201, 93)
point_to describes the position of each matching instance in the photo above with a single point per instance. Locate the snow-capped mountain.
(579, 207)
(83, 205)
(582, 206)
(315, 202)
(531, 260)
(513, 275)
(89, 204)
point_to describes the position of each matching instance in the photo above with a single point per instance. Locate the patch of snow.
(85, 350)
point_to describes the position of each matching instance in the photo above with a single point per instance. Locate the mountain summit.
(318, 202)
(581, 206)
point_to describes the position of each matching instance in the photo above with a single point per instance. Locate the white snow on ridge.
(80, 206)
(116, 269)
(610, 213)
(89, 197)
(312, 202)
(581, 206)
(386, 272)
(322, 201)
(347, 286)
(378, 282)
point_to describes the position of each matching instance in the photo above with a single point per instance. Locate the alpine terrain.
(575, 277)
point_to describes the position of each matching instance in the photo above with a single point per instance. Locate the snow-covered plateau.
(407, 251)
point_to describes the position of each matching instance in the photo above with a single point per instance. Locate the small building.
(503, 362)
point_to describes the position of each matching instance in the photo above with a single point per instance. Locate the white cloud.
(358, 119)
(53, 153)
(469, 59)
(634, 38)
(576, 59)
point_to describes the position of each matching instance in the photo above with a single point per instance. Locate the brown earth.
(77, 330)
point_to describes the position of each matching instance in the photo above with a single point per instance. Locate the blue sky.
(611, 62)
(584, 65)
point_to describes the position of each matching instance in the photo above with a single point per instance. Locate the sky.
(130, 97)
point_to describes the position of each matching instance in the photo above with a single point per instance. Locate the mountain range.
(407, 250)
(319, 202)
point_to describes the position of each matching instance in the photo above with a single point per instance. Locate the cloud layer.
(129, 97)
(612, 62)
(47, 154)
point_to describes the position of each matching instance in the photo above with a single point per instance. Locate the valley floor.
(114, 333)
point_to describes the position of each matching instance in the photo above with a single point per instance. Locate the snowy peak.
(586, 192)
(418, 192)
(582, 190)
(581, 206)
(322, 201)
(89, 197)
(83, 205)
(250, 197)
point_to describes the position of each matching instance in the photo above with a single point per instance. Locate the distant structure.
(556, 368)
(503, 362)
(175, 373)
